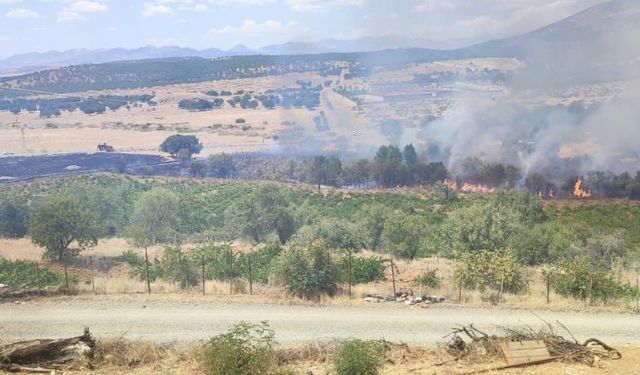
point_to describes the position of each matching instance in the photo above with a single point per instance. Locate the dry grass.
(119, 357)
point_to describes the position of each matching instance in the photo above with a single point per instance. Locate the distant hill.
(598, 44)
(33, 62)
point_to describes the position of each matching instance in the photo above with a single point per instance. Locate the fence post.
(638, 294)
(591, 291)
(250, 275)
(66, 276)
(548, 288)
(203, 279)
(460, 293)
(230, 271)
(350, 273)
(38, 278)
(393, 277)
(93, 285)
(146, 264)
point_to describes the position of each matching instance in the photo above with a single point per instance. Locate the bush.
(308, 270)
(429, 279)
(359, 357)
(363, 270)
(244, 349)
(21, 273)
(178, 142)
(496, 270)
(578, 279)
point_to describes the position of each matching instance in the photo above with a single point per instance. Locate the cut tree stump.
(47, 354)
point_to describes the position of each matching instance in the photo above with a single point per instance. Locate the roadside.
(190, 318)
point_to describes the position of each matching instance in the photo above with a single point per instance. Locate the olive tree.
(60, 222)
(154, 219)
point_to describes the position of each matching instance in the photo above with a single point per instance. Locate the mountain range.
(35, 61)
(597, 44)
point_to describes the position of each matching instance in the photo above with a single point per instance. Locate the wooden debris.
(47, 354)
(522, 352)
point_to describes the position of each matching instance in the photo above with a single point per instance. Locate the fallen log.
(54, 354)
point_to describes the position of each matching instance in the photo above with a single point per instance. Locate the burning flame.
(469, 188)
(451, 184)
(578, 192)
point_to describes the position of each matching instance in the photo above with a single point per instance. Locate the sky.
(43, 25)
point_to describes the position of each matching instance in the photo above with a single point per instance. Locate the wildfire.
(578, 192)
(470, 188)
(451, 184)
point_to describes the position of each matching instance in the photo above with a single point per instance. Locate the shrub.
(359, 357)
(496, 270)
(21, 273)
(578, 279)
(308, 270)
(244, 349)
(363, 270)
(429, 279)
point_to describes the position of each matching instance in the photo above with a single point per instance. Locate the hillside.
(595, 45)
(599, 43)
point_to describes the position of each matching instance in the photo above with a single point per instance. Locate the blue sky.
(42, 25)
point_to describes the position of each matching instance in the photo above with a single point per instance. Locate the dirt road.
(172, 318)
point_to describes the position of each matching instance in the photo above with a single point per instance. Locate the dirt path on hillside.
(191, 318)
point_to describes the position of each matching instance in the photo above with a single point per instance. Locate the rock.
(408, 302)
(369, 299)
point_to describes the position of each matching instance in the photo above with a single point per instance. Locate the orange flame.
(578, 192)
(451, 184)
(469, 188)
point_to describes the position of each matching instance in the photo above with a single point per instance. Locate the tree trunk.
(49, 353)
(146, 263)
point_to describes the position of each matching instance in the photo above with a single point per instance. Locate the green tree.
(402, 235)
(154, 219)
(410, 155)
(261, 213)
(61, 222)
(307, 270)
(178, 143)
(13, 218)
(386, 166)
(371, 225)
(221, 166)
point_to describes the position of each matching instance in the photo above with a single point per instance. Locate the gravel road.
(190, 319)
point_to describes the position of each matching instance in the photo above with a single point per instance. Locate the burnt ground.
(27, 167)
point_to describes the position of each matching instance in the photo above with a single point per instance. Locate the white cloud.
(321, 5)
(251, 28)
(434, 5)
(8, 2)
(66, 16)
(154, 9)
(88, 7)
(242, 2)
(22, 13)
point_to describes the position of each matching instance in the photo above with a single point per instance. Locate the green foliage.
(261, 213)
(154, 218)
(307, 270)
(363, 269)
(131, 257)
(429, 279)
(371, 224)
(578, 279)
(13, 218)
(176, 266)
(244, 349)
(22, 273)
(185, 143)
(221, 166)
(592, 270)
(543, 243)
(360, 357)
(60, 222)
(402, 234)
(496, 270)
